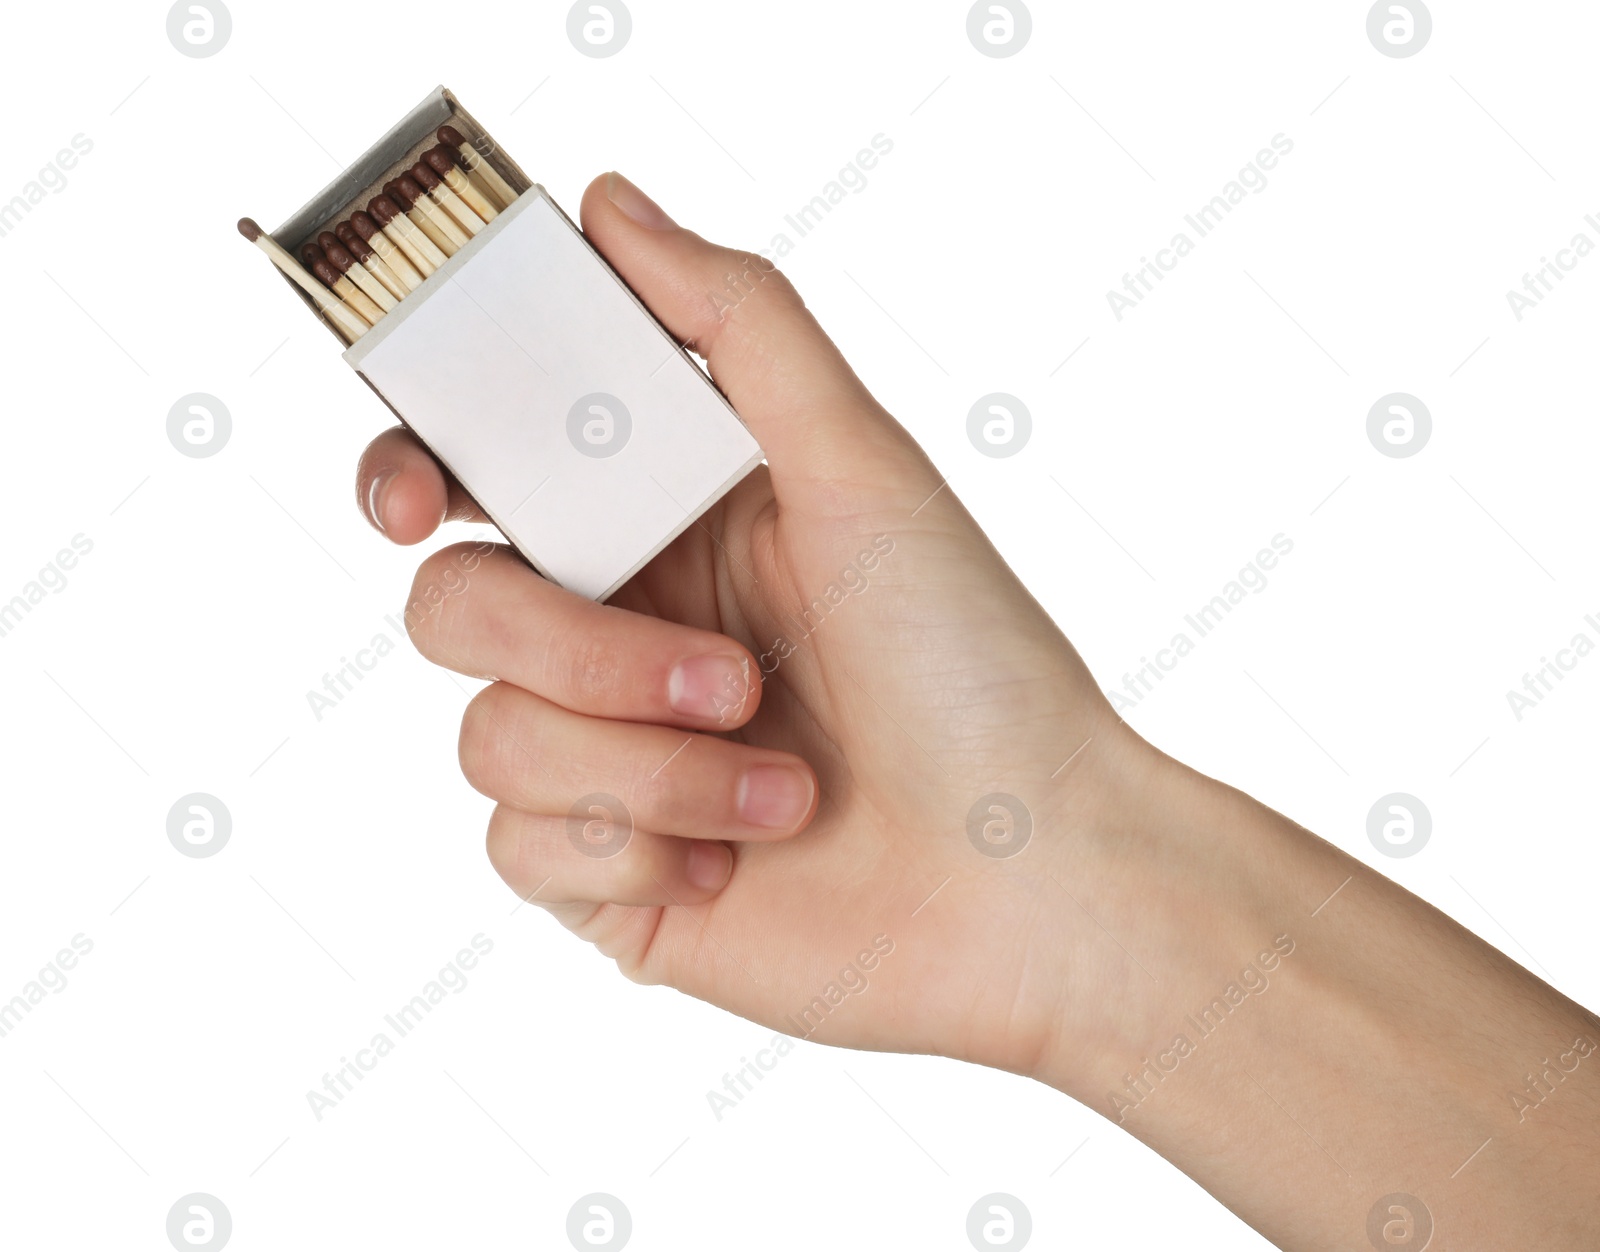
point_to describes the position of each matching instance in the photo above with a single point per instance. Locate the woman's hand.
(877, 800)
(800, 703)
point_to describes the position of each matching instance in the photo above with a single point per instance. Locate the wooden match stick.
(419, 249)
(343, 260)
(420, 221)
(341, 286)
(478, 166)
(389, 251)
(370, 260)
(425, 213)
(349, 326)
(443, 164)
(453, 205)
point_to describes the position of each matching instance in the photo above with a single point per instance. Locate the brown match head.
(397, 193)
(439, 160)
(451, 136)
(383, 210)
(425, 177)
(409, 187)
(310, 254)
(325, 273)
(336, 252)
(357, 245)
(364, 225)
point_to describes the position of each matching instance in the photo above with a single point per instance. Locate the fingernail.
(774, 797)
(709, 867)
(375, 499)
(710, 687)
(640, 207)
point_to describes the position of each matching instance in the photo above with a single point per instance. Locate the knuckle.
(497, 743)
(589, 669)
(747, 284)
(508, 850)
(678, 787)
(663, 802)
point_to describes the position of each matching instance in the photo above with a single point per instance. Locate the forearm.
(1307, 1038)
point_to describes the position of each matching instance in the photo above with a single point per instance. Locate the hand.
(799, 702)
(807, 704)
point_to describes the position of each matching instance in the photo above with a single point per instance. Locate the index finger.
(480, 610)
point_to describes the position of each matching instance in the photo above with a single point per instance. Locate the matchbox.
(480, 315)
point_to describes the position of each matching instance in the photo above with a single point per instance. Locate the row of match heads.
(361, 269)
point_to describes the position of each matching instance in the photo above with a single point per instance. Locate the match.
(358, 270)
(425, 213)
(453, 205)
(370, 260)
(343, 260)
(388, 250)
(443, 164)
(341, 286)
(420, 223)
(419, 249)
(477, 165)
(349, 326)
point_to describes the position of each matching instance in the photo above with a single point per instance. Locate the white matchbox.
(581, 427)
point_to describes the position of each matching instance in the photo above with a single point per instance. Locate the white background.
(1221, 412)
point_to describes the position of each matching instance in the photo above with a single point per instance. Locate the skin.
(816, 799)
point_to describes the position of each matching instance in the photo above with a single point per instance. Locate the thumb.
(825, 437)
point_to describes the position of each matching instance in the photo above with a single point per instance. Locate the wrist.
(1176, 905)
(1282, 1008)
